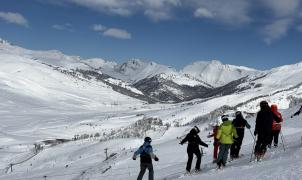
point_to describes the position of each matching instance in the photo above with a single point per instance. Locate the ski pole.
(282, 139)
(253, 150)
(252, 134)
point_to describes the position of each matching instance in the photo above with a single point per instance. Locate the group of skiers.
(228, 136)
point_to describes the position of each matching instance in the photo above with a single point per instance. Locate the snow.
(39, 103)
(217, 74)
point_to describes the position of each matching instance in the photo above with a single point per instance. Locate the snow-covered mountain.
(53, 57)
(153, 82)
(217, 74)
(134, 75)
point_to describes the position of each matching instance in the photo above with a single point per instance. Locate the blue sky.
(254, 33)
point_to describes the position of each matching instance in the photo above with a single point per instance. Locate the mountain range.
(149, 81)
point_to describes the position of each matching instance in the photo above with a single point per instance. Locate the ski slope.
(84, 159)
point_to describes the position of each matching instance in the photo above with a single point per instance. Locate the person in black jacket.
(239, 123)
(263, 128)
(193, 148)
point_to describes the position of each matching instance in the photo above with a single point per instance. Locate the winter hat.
(274, 107)
(224, 117)
(196, 129)
(147, 139)
(238, 114)
(263, 104)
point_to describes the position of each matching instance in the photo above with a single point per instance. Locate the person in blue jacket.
(146, 155)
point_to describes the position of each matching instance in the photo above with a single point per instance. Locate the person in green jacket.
(226, 133)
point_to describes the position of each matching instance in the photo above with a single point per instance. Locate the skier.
(276, 127)
(193, 148)
(239, 123)
(226, 133)
(263, 129)
(146, 155)
(297, 113)
(216, 142)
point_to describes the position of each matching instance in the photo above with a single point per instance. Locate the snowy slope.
(217, 74)
(30, 78)
(85, 159)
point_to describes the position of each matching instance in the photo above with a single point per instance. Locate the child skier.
(146, 156)
(216, 142)
(239, 123)
(276, 127)
(193, 148)
(226, 133)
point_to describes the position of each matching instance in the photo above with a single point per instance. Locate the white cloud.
(154, 9)
(277, 30)
(111, 32)
(157, 15)
(285, 13)
(159, 4)
(232, 12)
(227, 11)
(282, 8)
(14, 18)
(98, 27)
(203, 12)
(279, 16)
(63, 27)
(117, 33)
(115, 7)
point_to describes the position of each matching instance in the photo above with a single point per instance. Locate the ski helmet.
(224, 117)
(147, 139)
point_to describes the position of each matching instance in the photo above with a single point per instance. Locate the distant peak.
(134, 62)
(138, 62)
(2, 41)
(207, 62)
(215, 62)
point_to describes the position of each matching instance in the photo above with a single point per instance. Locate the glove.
(255, 133)
(156, 159)
(181, 143)
(134, 158)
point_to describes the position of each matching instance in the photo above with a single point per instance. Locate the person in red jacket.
(216, 142)
(276, 126)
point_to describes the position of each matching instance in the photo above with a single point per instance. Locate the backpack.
(144, 156)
